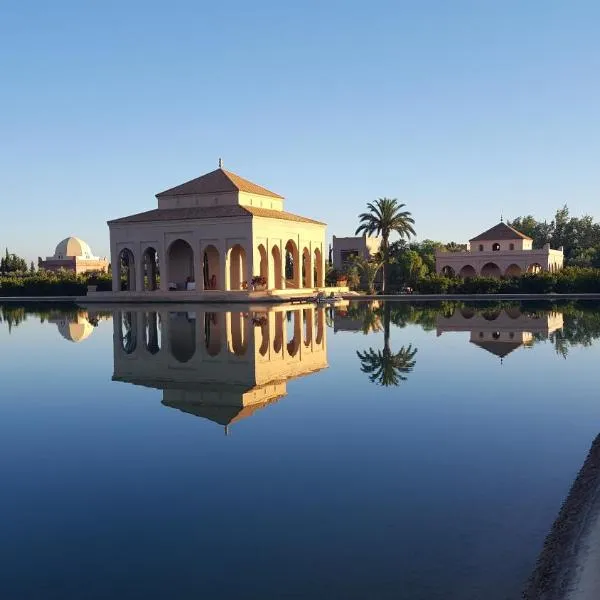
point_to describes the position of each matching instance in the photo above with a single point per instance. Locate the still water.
(371, 451)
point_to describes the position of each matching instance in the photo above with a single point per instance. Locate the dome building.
(73, 254)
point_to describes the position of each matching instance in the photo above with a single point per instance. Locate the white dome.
(75, 331)
(73, 246)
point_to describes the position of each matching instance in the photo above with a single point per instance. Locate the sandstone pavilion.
(217, 237)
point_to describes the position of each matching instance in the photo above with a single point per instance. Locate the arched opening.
(151, 269)
(292, 265)
(307, 275)
(318, 268)
(263, 269)
(513, 271)
(278, 340)
(320, 326)
(490, 270)
(307, 316)
(264, 332)
(295, 329)
(448, 271)
(212, 333)
(181, 265)
(467, 271)
(182, 336)
(237, 268)
(152, 333)
(514, 312)
(534, 268)
(490, 314)
(467, 312)
(496, 335)
(278, 280)
(239, 337)
(127, 270)
(210, 268)
(496, 247)
(128, 332)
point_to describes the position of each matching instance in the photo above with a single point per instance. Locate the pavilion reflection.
(222, 366)
(500, 331)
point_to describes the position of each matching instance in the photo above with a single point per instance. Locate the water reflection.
(501, 331)
(222, 366)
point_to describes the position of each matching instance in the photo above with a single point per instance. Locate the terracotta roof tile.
(502, 231)
(211, 212)
(217, 182)
(279, 214)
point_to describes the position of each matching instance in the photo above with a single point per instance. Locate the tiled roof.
(217, 182)
(211, 212)
(502, 231)
(500, 349)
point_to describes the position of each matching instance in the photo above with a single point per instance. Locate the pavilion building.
(214, 234)
(501, 251)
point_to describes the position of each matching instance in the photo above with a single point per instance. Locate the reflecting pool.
(371, 450)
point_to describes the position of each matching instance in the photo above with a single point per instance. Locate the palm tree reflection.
(385, 367)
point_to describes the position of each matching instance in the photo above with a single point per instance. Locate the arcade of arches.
(221, 271)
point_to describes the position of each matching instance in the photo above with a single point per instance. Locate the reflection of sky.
(442, 487)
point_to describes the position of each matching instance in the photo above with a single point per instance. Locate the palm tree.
(385, 367)
(368, 269)
(385, 216)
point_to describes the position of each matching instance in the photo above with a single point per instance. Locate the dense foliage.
(579, 237)
(46, 283)
(11, 263)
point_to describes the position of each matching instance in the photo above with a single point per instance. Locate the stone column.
(139, 271)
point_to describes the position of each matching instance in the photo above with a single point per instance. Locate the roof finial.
(220, 163)
(501, 218)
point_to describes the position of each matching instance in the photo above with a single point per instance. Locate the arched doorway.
(295, 325)
(237, 268)
(152, 333)
(278, 280)
(448, 271)
(490, 270)
(513, 271)
(182, 337)
(239, 335)
(128, 332)
(292, 265)
(320, 325)
(307, 275)
(210, 268)
(212, 333)
(263, 268)
(308, 326)
(151, 269)
(181, 265)
(278, 339)
(534, 268)
(467, 271)
(127, 270)
(318, 268)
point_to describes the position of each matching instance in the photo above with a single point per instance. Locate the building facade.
(501, 251)
(73, 254)
(344, 248)
(216, 233)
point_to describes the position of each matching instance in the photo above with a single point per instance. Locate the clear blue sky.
(460, 109)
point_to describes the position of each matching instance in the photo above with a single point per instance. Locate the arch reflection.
(220, 365)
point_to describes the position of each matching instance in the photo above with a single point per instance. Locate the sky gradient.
(462, 110)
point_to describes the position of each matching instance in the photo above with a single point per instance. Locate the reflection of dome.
(73, 246)
(75, 331)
